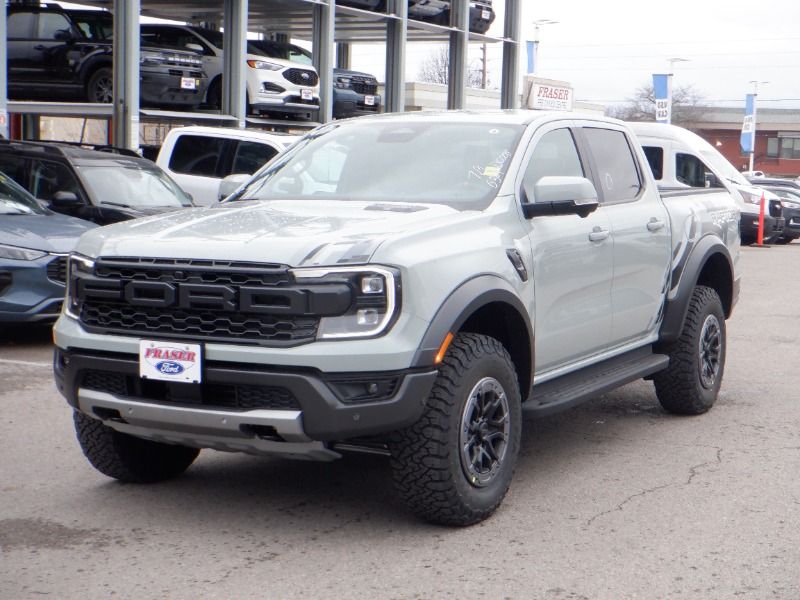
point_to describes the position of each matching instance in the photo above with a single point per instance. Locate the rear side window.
(251, 156)
(13, 166)
(655, 157)
(555, 154)
(49, 178)
(197, 155)
(616, 168)
(20, 25)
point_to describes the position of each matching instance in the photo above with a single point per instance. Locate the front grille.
(275, 321)
(57, 270)
(301, 77)
(364, 85)
(211, 396)
(775, 208)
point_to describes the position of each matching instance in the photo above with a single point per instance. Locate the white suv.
(274, 86)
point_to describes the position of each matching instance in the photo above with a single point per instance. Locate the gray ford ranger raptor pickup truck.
(404, 284)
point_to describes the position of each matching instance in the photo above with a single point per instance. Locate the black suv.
(56, 52)
(100, 186)
(354, 93)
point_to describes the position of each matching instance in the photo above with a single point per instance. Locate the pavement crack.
(694, 471)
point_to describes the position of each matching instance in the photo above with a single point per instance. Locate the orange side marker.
(443, 348)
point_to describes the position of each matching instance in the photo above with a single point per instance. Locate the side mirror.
(195, 47)
(711, 180)
(63, 35)
(230, 184)
(65, 201)
(560, 196)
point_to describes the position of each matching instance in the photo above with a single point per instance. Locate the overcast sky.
(608, 49)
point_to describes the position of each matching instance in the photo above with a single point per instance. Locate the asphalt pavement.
(615, 499)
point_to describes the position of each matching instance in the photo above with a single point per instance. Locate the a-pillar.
(234, 97)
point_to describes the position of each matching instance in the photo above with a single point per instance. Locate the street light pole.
(755, 99)
(537, 24)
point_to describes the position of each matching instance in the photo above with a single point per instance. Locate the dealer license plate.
(188, 83)
(486, 15)
(306, 94)
(170, 361)
(369, 100)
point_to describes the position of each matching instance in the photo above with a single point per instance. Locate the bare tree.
(686, 104)
(434, 69)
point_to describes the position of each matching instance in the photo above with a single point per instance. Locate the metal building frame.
(330, 28)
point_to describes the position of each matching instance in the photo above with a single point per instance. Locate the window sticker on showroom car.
(369, 100)
(491, 174)
(188, 83)
(306, 94)
(167, 361)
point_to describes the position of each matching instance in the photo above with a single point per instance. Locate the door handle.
(655, 224)
(598, 234)
(40, 47)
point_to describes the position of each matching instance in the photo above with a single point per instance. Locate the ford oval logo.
(305, 76)
(169, 367)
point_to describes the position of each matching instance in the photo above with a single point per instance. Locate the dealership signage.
(546, 94)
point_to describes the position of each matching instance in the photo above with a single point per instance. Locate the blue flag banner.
(531, 55)
(747, 140)
(663, 96)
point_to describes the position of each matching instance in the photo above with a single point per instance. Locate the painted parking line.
(26, 363)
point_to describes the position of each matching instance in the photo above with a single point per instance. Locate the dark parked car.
(54, 52)
(34, 244)
(767, 182)
(99, 186)
(354, 93)
(481, 14)
(790, 198)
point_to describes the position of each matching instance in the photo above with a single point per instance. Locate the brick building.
(777, 137)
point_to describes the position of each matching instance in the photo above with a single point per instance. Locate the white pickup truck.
(400, 284)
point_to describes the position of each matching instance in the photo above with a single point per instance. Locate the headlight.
(790, 204)
(151, 58)
(261, 64)
(750, 197)
(76, 264)
(17, 253)
(343, 83)
(376, 300)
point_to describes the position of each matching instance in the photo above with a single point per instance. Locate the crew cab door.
(572, 261)
(640, 228)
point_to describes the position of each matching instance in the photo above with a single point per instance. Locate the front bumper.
(349, 103)
(162, 88)
(773, 226)
(27, 294)
(791, 229)
(296, 411)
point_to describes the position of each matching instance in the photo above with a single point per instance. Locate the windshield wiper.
(120, 204)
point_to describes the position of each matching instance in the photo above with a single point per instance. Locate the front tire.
(454, 466)
(691, 382)
(128, 458)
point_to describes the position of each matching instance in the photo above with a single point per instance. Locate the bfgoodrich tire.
(454, 466)
(690, 385)
(129, 458)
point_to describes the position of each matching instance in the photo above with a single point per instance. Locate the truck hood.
(290, 232)
(49, 232)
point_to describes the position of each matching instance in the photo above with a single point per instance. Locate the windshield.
(133, 186)
(16, 201)
(278, 50)
(725, 168)
(458, 164)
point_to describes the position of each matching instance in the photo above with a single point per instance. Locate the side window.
(655, 157)
(555, 154)
(197, 155)
(13, 166)
(251, 156)
(616, 167)
(693, 172)
(47, 178)
(53, 26)
(20, 25)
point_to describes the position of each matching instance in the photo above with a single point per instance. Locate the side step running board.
(572, 389)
